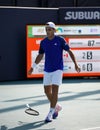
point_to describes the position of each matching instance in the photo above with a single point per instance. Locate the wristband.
(34, 65)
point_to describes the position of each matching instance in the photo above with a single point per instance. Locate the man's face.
(50, 31)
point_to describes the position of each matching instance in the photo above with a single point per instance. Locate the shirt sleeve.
(64, 44)
(41, 51)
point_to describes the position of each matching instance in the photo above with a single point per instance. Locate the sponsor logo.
(87, 15)
(59, 30)
(55, 44)
(93, 30)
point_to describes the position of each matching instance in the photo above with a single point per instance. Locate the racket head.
(31, 111)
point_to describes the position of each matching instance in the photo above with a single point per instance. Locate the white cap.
(50, 24)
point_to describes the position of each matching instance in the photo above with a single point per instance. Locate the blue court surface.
(79, 98)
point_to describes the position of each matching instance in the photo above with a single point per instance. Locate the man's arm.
(37, 60)
(74, 60)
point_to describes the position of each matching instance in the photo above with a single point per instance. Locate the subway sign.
(79, 15)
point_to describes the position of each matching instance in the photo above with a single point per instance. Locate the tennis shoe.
(57, 109)
(55, 115)
(48, 118)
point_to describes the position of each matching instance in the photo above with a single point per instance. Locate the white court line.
(93, 128)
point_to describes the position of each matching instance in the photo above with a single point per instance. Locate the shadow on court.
(26, 126)
(45, 101)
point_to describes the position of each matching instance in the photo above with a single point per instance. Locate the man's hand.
(30, 71)
(77, 68)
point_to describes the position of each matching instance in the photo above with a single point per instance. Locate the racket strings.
(31, 111)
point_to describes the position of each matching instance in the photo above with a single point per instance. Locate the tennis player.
(52, 46)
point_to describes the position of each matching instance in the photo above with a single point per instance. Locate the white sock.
(52, 110)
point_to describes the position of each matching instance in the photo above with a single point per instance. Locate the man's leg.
(56, 81)
(51, 92)
(52, 95)
(48, 92)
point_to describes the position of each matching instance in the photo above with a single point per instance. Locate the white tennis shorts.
(54, 77)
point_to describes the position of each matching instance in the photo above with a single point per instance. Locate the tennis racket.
(31, 111)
